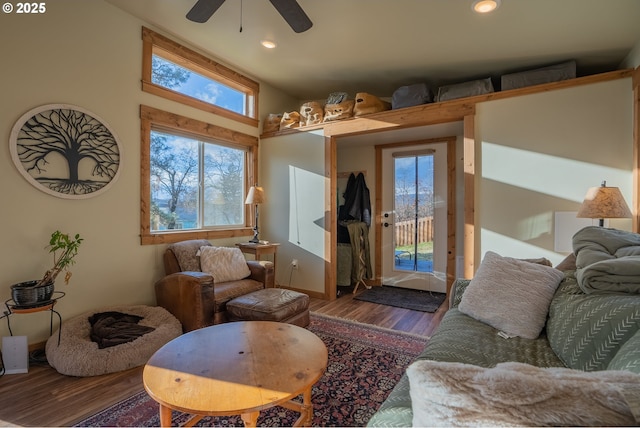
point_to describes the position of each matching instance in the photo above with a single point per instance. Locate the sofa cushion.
(224, 263)
(460, 338)
(569, 263)
(511, 295)
(628, 357)
(186, 253)
(516, 394)
(587, 330)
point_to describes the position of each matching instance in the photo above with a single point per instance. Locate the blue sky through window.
(405, 169)
(205, 89)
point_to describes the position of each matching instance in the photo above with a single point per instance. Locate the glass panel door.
(413, 207)
(414, 217)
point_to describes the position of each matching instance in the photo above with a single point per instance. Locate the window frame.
(152, 118)
(154, 43)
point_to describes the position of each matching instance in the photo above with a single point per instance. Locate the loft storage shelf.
(445, 111)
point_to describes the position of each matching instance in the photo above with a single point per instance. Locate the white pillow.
(517, 394)
(511, 295)
(223, 263)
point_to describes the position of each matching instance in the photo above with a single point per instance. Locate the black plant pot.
(28, 293)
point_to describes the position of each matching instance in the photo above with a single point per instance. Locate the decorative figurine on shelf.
(290, 120)
(312, 113)
(367, 104)
(342, 110)
(272, 122)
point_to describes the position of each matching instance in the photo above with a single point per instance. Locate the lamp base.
(255, 239)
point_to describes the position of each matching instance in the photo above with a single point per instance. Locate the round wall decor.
(65, 151)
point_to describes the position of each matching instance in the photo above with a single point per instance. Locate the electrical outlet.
(294, 263)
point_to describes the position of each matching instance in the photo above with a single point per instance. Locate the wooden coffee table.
(236, 368)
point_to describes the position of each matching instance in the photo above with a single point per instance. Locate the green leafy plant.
(64, 249)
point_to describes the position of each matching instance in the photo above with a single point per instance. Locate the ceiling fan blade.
(203, 9)
(293, 14)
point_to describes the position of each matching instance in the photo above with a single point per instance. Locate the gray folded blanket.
(607, 260)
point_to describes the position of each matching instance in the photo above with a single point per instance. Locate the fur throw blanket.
(512, 394)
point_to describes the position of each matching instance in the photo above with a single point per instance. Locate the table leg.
(250, 419)
(165, 416)
(307, 407)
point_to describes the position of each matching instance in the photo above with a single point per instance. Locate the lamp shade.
(255, 196)
(604, 202)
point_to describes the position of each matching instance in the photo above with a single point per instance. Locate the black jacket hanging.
(357, 203)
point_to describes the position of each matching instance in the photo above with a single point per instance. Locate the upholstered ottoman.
(271, 304)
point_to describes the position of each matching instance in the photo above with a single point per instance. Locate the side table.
(13, 308)
(259, 249)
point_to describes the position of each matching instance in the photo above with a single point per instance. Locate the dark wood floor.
(43, 397)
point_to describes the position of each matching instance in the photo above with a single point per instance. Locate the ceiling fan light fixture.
(269, 44)
(485, 6)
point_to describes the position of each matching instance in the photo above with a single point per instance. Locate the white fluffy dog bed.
(78, 355)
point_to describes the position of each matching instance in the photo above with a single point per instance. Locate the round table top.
(235, 367)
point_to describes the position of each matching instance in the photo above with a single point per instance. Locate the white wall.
(86, 53)
(540, 153)
(633, 59)
(293, 176)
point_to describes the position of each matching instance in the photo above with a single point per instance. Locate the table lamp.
(255, 197)
(604, 202)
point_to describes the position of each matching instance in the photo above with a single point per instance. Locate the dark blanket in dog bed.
(77, 355)
(115, 328)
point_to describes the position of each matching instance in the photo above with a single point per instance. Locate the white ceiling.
(376, 46)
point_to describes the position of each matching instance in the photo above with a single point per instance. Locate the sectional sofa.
(529, 344)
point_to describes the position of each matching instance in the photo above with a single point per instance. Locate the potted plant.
(64, 249)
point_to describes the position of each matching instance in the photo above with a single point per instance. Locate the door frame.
(451, 204)
(446, 113)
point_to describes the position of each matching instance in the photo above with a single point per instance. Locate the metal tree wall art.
(65, 151)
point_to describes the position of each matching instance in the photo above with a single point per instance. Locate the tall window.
(194, 178)
(414, 210)
(173, 71)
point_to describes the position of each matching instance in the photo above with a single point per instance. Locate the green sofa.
(586, 332)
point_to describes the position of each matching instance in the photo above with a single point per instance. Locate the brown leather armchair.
(192, 296)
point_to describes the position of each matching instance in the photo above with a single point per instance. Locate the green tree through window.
(194, 174)
(194, 184)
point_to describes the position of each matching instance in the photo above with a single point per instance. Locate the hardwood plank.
(43, 397)
(422, 323)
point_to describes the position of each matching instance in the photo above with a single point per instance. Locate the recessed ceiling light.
(268, 44)
(485, 6)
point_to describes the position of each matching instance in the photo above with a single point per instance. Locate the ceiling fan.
(289, 9)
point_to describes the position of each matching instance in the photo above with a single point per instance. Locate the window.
(175, 72)
(194, 179)
(170, 75)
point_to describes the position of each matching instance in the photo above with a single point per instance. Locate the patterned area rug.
(417, 300)
(365, 363)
